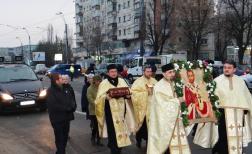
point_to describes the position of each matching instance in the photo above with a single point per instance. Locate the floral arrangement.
(208, 79)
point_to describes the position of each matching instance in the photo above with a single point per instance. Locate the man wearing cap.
(91, 96)
(166, 133)
(142, 90)
(114, 115)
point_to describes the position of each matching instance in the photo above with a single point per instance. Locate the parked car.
(248, 80)
(239, 71)
(40, 69)
(65, 69)
(20, 88)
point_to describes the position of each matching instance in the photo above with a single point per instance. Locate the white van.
(136, 68)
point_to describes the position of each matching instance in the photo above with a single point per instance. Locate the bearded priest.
(166, 133)
(142, 90)
(236, 106)
(115, 115)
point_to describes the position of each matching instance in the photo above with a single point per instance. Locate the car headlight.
(6, 97)
(42, 93)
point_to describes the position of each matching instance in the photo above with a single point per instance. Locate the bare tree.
(158, 23)
(239, 21)
(222, 37)
(97, 38)
(87, 35)
(195, 19)
(50, 33)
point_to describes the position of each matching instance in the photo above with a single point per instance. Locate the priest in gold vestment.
(166, 133)
(141, 96)
(115, 116)
(233, 131)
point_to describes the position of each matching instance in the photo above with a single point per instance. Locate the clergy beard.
(228, 75)
(169, 80)
(147, 77)
(113, 81)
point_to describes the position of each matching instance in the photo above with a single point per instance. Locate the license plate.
(27, 103)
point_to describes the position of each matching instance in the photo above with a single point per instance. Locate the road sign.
(38, 56)
(58, 57)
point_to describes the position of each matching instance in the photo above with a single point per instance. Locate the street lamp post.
(22, 51)
(66, 51)
(142, 27)
(29, 37)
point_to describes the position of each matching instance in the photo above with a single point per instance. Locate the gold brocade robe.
(124, 124)
(234, 98)
(165, 125)
(141, 100)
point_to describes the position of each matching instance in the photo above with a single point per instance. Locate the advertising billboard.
(38, 56)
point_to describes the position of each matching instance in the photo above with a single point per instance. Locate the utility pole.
(22, 51)
(142, 29)
(29, 37)
(67, 58)
(66, 51)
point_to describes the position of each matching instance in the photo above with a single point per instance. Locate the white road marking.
(81, 113)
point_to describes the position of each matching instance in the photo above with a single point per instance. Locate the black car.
(20, 88)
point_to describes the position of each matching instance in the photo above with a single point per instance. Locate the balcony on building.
(79, 39)
(136, 28)
(112, 34)
(78, 9)
(96, 14)
(112, 22)
(136, 1)
(112, 7)
(95, 3)
(137, 12)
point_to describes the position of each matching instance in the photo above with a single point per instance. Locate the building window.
(129, 30)
(119, 19)
(124, 18)
(136, 20)
(124, 32)
(204, 41)
(124, 5)
(129, 17)
(180, 39)
(119, 7)
(128, 3)
(120, 32)
(136, 5)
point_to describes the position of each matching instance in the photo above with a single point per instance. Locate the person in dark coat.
(67, 86)
(61, 106)
(84, 100)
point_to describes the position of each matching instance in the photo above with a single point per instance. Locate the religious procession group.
(151, 110)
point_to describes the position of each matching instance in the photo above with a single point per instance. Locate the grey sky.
(32, 14)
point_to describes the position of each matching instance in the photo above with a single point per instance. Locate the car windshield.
(53, 67)
(17, 73)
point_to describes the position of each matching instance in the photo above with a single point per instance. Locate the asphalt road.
(31, 133)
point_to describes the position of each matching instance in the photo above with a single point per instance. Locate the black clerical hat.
(167, 67)
(111, 66)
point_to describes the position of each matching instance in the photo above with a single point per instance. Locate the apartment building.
(120, 25)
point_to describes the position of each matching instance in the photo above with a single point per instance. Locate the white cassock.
(166, 129)
(234, 99)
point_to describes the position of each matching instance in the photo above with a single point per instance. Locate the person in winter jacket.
(61, 105)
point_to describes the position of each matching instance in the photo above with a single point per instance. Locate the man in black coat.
(61, 105)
